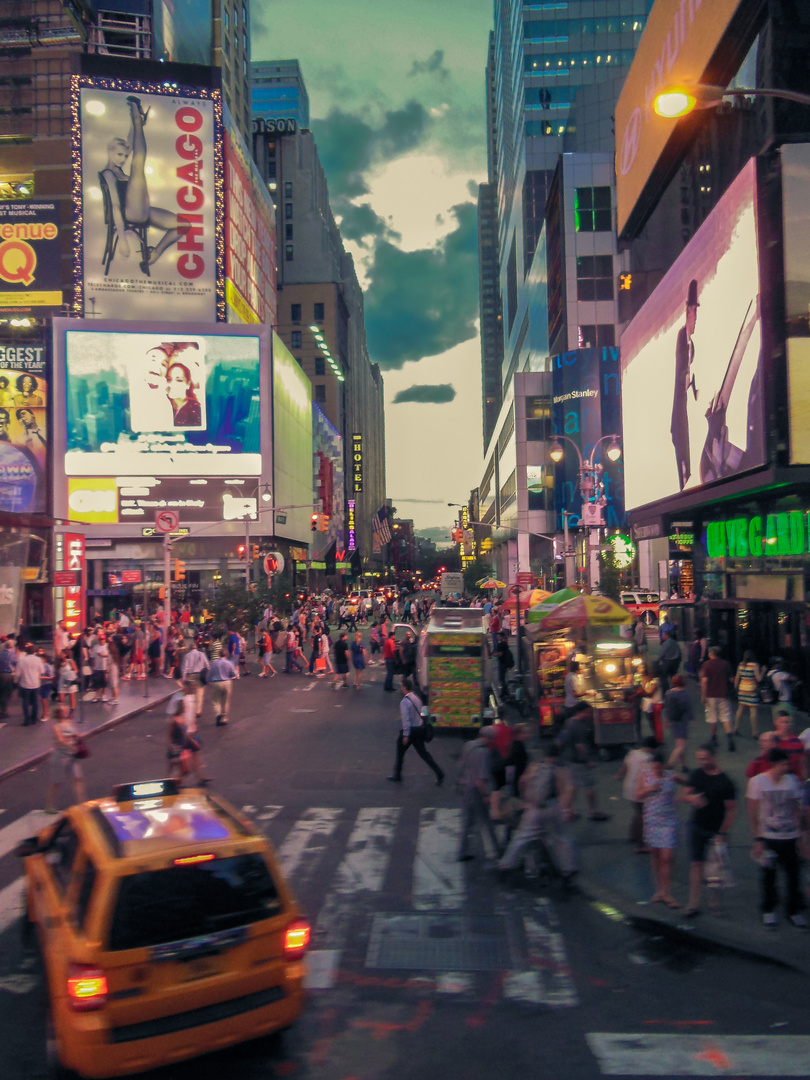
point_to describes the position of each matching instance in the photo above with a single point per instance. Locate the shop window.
(592, 209)
(595, 277)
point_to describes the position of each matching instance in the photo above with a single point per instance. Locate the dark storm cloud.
(436, 394)
(360, 223)
(348, 145)
(422, 303)
(434, 65)
(436, 533)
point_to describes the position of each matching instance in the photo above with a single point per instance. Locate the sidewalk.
(23, 747)
(612, 874)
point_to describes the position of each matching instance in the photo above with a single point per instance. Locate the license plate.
(201, 968)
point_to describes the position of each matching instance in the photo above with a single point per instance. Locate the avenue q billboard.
(147, 185)
(30, 255)
(678, 43)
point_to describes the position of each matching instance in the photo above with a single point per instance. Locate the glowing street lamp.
(676, 101)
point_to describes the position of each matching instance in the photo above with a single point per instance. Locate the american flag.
(380, 526)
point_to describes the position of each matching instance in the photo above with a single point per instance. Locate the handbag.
(81, 752)
(429, 731)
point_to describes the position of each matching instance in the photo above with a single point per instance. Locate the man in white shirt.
(30, 670)
(195, 663)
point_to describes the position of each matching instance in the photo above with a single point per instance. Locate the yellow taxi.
(166, 927)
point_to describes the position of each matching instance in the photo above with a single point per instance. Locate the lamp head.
(672, 104)
(556, 453)
(614, 451)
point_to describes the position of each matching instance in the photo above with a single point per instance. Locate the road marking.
(438, 879)
(269, 812)
(303, 710)
(21, 829)
(548, 980)
(317, 823)
(700, 1055)
(11, 900)
(19, 984)
(360, 875)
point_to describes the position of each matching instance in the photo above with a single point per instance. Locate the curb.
(114, 721)
(686, 935)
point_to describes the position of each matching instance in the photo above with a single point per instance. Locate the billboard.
(677, 45)
(250, 237)
(691, 365)
(328, 485)
(24, 387)
(173, 401)
(147, 184)
(116, 500)
(30, 256)
(292, 434)
(586, 404)
(796, 247)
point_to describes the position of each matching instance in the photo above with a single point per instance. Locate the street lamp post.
(589, 474)
(677, 101)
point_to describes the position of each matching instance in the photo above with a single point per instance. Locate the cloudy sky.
(397, 108)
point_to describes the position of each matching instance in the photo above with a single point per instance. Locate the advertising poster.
(796, 246)
(691, 367)
(30, 255)
(176, 401)
(147, 168)
(24, 387)
(586, 404)
(328, 486)
(292, 423)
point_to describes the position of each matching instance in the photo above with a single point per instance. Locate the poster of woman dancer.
(147, 163)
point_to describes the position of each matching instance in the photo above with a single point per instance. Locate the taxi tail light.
(296, 939)
(87, 987)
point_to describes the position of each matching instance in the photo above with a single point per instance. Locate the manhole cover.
(439, 942)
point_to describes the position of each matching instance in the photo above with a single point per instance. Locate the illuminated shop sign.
(350, 525)
(753, 537)
(357, 463)
(74, 560)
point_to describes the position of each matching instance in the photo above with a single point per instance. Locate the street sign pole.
(247, 552)
(167, 597)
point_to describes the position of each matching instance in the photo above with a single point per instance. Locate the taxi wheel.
(55, 1070)
(26, 923)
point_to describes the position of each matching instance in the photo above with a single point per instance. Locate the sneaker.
(769, 920)
(798, 920)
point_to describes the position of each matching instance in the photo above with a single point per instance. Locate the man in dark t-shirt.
(341, 662)
(712, 796)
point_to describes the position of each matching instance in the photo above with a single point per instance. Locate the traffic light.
(240, 552)
(162, 592)
(179, 570)
(323, 522)
(313, 522)
(255, 552)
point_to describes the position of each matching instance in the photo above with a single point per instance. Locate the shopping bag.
(320, 663)
(718, 872)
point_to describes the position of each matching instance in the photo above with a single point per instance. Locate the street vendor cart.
(608, 674)
(453, 667)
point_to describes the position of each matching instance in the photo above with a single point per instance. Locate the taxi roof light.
(145, 789)
(87, 987)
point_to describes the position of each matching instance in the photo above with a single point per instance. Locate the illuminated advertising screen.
(586, 404)
(691, 365)
(24, 386)
(796, 247)
(148, 187)
(30, 255)
(292, 434)
(328, 486)
(176, 401)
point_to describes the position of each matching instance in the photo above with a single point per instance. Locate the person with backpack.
(547, 792)
(413, 730)
(777, 687)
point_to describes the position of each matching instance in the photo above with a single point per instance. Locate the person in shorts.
(341, 662)
(713, 798)
(64, 765)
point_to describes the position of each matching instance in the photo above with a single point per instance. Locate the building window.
(288, 189)
(597, 337)
(295, 314)
(320, 365)
(288, 211)
(592, 209)
(300, 360)
(595, 277)
(320, 393)
(317, 312)
(288, 253)
(288, 232)
(538, 413)
(295, 339)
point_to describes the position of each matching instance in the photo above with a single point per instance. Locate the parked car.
(644, 604)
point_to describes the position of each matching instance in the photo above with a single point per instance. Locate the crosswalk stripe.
(317, 823)
(438, 879)
(362, 871)
(21, 829)
(700, 1055)
(552, 984)
(11, 903)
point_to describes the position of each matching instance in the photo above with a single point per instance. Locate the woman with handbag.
(65, 762)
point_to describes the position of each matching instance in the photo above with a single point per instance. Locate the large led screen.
(147, 183)
(176, 401)
(292, 434)
(796, 246)
(23, 428)
(691, 367)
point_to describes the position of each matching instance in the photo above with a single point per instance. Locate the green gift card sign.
(753, 537)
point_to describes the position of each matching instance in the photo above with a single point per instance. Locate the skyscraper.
(278, 91)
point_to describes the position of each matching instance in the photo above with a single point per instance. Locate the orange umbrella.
(528, 598)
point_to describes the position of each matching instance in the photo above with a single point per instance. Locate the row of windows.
(541, 97)
(540, 63)
(317, 314)
(562, 29)
(543, 127)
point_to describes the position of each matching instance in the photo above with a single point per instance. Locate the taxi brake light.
(189, 860)
(87, 987)
(296, 939)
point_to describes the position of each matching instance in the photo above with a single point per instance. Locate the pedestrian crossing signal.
(179, 570)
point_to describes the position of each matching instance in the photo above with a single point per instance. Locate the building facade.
(278, 92)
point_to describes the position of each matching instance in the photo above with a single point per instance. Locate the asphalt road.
(421, 967)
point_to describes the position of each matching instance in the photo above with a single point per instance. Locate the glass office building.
(278, 91)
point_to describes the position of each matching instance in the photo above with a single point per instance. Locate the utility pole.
(167, 596)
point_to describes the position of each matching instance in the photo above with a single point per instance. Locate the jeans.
(787, 856)
(389, 675)
(29, 705)
(417, 741)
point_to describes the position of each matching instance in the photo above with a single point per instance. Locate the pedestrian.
(768, 741)
(712, 796)
(774, 803)
(576, 742)
(375, 643)
(652, 698)
(46, 686)
(67, 681)
(358, 659)
(221, 674)
(99, 661)
(194, 671)
(193, 742)
(113, 671)
(316, 648)
(138, 665)
(669, 659)
(678, 709)
(64, 765)
(341, 662)
(779, 684)
(8, 664)
(746, 683)
(715, 684)
(266, 655)
(408, 653)
(61, 638)
(656, 792)
(793, 746)
(504, 658)
(495, 626)
(176, 737)
(698, 653)
(390, 657)
(30, 670)
(326, 647)
(572, 690)
(547, 792)
(412, 733)
(640, 637)
(635, 763)
(477, 784)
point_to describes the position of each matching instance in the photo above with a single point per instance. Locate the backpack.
(768, 693)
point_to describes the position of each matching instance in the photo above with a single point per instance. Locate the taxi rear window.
(178, 902)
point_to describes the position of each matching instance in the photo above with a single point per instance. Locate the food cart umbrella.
(527, 599)
(545, 607)
(490, 583)
(586, 611)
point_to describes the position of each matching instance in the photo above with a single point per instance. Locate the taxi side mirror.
(28, 847)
